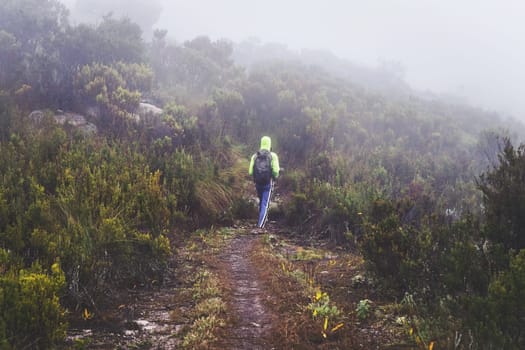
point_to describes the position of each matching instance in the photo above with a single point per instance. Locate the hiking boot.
(257, 231)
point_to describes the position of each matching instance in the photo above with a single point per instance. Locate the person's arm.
(252, 162)
(275, 166)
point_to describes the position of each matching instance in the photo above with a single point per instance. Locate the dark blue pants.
(263, 192)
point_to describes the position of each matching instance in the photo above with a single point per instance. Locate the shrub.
(504, 198)
(297, 209)
(497, 319)
(386, 246)
(97, 206)
(30, 312)
(363, 309)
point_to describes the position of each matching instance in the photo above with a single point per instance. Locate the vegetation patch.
(319, 306)
(200, 304)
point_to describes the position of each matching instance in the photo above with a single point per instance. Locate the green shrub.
(497, 319)
(30, 312)
(243, 209)
(327, 210)
(95, 205)
(363, 309)
(504, 198)
(297, 209)
(386, 246)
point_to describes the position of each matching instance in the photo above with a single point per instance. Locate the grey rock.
(149, 114)
(74, 120)
(36, 116)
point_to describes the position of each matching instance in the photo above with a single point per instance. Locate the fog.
(474, 49)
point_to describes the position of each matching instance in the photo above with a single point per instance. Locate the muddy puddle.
(144, 323)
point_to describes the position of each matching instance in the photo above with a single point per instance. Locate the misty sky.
(471, 48)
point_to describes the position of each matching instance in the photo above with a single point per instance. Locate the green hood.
(266, 143)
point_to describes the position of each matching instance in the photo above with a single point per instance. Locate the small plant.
(363, 309)
(202, 332)
(418, 330)
(409, 303)
(321, 309)
(206, 286)
(307, 255)
(211, 306)
(81, 344)
(270, 240)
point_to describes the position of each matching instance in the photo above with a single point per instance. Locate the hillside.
(416, 200)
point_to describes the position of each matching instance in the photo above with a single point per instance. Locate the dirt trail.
(252, 322)
(264, 304)
(144, 321)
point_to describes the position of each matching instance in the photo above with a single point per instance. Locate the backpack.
(262, 167)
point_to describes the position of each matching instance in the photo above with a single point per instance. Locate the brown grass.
(294, 326)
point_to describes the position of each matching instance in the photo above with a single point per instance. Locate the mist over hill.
(469, 52)
(387, 79)
(470, 49)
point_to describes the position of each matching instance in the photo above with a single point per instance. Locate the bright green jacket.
(266, 143)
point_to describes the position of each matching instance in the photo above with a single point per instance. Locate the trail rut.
(252, 322)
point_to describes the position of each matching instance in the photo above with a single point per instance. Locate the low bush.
(30, 313)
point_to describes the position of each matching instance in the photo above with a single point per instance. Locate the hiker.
(264, 167)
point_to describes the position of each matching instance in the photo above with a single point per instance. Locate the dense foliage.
(428, 192)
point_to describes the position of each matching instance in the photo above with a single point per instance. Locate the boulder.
(146, 109)
(93, 112)
(36, 117)
(74, 120)
(77, 121)
(149, 114)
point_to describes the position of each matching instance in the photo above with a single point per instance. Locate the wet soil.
(143, 321)
(145, 318)
(251, 321)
